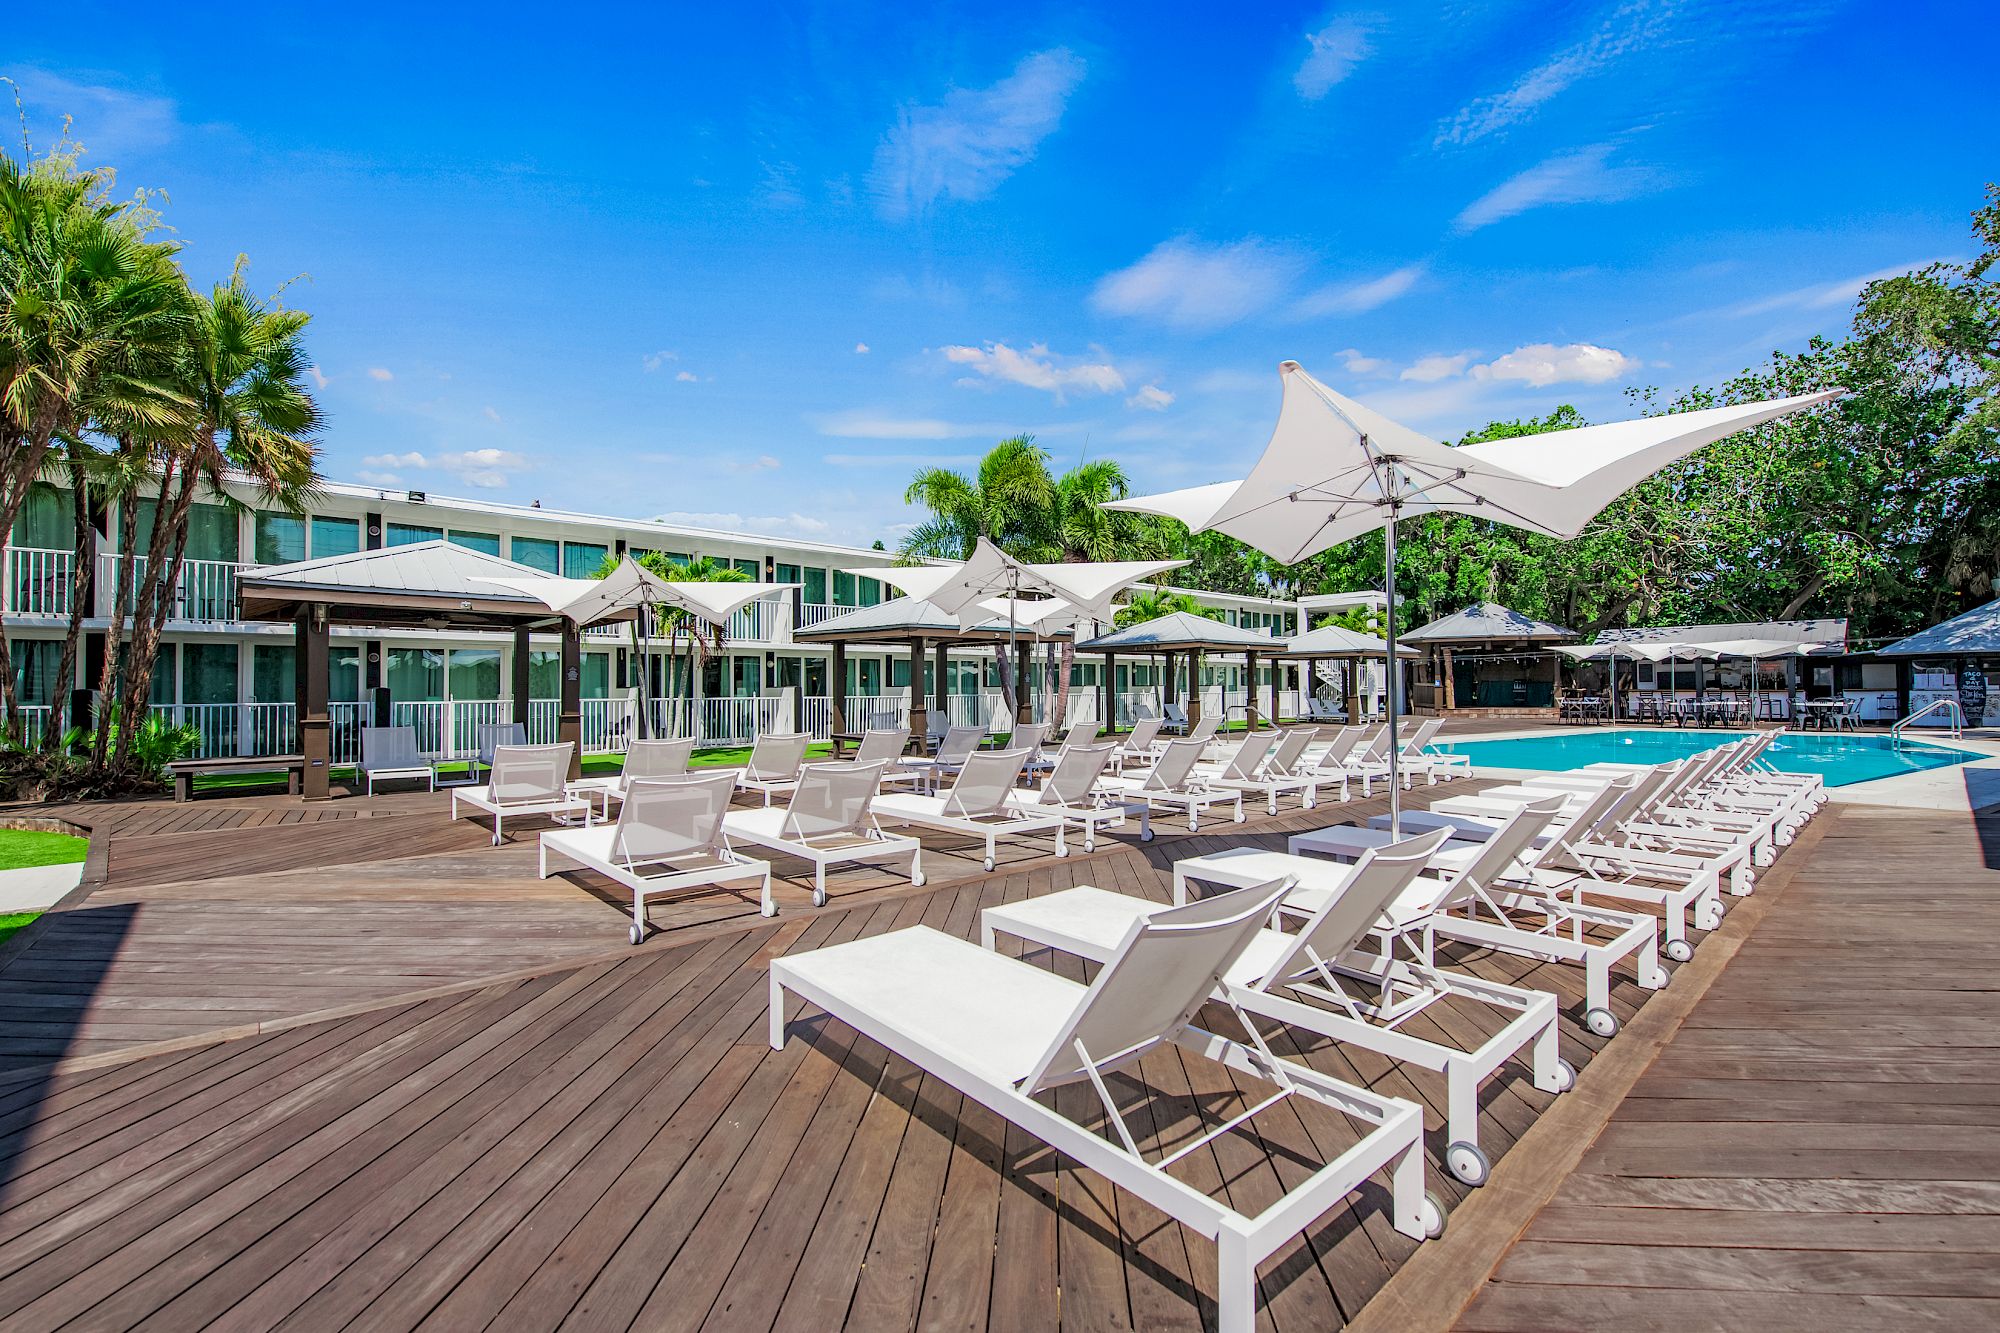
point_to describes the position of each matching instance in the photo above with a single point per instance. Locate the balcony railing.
(38, 581)
(205, 593)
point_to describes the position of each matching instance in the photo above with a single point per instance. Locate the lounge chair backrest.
(1422, 736)
(776, 758)
(1140, 739)
(657, 759)
(1081, 728)
(1028, 736)
(1345, 742)
(1076, 774)
(1171, 772)
(1245, 758)
(1499, 853)
(1204, 730)
(1374, 751)
(831, 799)
(1382, 874)
(527, 773)
(1595, 812)
(882, 745)
(1176, 714)
(490, 736)
(1161, 974)
(665, 817)
(983, 783)
(390, 747)
(1291, 749)
(958, 743)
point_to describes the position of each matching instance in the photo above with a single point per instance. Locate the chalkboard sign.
(1972, 694)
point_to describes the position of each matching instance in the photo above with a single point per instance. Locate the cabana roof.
(1831, 634)
(1485, 622)
(1335, 641)
(904, 618)
(1182, 631)
(1974, 634)
(424, 584)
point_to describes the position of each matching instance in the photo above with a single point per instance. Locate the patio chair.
(1324, 710)
(488, 736)
(524, 780)
(1464, 897)
(643, 759)
(1174, 718)
(1081, 729)
(1138, 746)
(668, 838)
(957, 745)
(1029, 736)
(1172, 782)
(1004, 1032)
(1420, 754)
(1257, 767)
(1071, 790)
(391, 752)
(774, 763)
(829, 821)
(885, 746)
(1320, 981)
(977, 805)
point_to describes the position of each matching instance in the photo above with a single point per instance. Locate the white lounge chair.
(1421, 755)
(391, 752)
(1297, 979)
(1071, 789)
(1465, 895)
(668, 838)
(1174, 718)
(490, 736)
(1029, 736)
(953, 749)
(526, 780)
(1257, 767)
(885, 746)
(1173, 783)
(774, 764)
(643, 759)
(1004, 1033)
(1141, 745)
(977, 805)
(829, 821)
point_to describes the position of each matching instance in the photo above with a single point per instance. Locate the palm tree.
(703, 639)
(242, 372)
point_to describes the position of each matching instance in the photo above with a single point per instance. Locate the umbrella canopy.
(631, 585)
(1758, 649)
(1335, 469)
(1333, 641)
(990, 572)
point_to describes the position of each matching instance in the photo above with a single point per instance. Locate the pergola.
(1183, 633)
(1487, 628)
(918, 624)
(1333, 641)
(425, 585)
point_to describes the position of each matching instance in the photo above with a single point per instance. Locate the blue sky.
(749, 266)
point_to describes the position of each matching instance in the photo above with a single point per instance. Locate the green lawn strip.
(29, 847)
(594, 764)
(13, 921)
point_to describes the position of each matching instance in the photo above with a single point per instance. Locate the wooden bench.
(183, 771)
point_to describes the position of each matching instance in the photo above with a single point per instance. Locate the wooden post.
(1249, 691)
(836, 690)
(941, 699)
(1277, 670)
(1354, 704)
(1107, 690)
(1024, 695)
(520, 674)
(1194, 686)
(1173, 683)
(569, 718)
(315, 725)
(1905, 672)
(920, 718)
(1450, 691)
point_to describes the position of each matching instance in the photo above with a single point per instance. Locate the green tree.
(691, 640)
(1153, 603)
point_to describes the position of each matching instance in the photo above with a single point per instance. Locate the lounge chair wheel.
(1660, 978)
(1145, 835)
(1432, 1215)
(1465, 1161)
(636, 934)
(916, 880)
(1565, 1075)
(1602, 1022)
(989, 863)
(1064, 851)
(1679, 950)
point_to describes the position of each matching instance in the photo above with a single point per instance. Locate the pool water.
(1839, 759)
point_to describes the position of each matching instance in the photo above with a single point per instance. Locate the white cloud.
(761, 463)
(686, 377)
(775, 525)
(1539, 365)
(1582, 177)
(488, 469)
(866, 425)
(899, 460)
(491, 413)
(967, 144)
(1626, 29)
(1357, 364)
(383, 479)
(1430, 369)
(107, 121)
(1036, 368)
(319, 376)
(861, 349)
(380, 374)
(654, 362)
(1360, 297)
(1335, 50)
(1188, 285)
(395, 460)
(1151, 398)
(1820, 296)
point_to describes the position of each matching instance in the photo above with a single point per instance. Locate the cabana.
(425, 585)
(1343, 645)
(1184, 634)
(1962, 653)
(1488, 657)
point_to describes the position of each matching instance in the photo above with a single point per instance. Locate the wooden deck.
(1819, 1145)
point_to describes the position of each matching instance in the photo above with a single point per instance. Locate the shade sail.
(990, 572)
(631, 585)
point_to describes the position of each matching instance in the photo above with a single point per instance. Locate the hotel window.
(415, 675)
(343, 675)
(280, 539)
(752, 569)
(272, 677)
(473, 673)
(335, 536)
(35, 663)
(871, 592)
(843, 588)
(489, 542)
(409, 534)
(596, 676)
(815, 589)
(746, 677)
(44, 521)
(537, 553)
(581, 560)
(211, 673)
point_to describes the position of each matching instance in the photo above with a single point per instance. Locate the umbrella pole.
(1389, 677)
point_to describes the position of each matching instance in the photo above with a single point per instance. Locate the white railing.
(34, 721)
(755, 623)
(812, 613)
(206, 591)
(344, 737)
(607, 724)
(38, 581)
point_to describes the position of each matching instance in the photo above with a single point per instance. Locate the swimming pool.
(1839, 759)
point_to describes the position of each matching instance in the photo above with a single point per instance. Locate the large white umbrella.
(1335, 469)
(1758, 650)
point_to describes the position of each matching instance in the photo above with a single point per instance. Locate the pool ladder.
(1949, 707)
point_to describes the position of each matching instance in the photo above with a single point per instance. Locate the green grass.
(29, 847)
(209, 783)
(13, 921)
